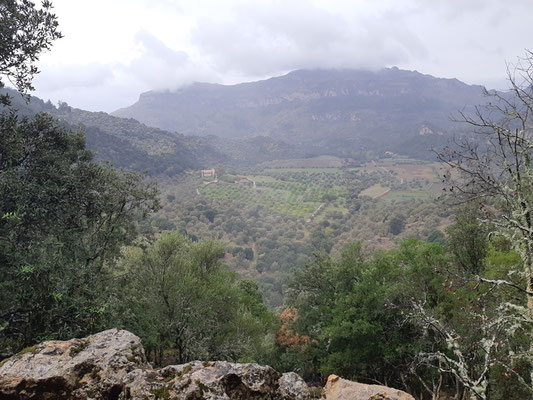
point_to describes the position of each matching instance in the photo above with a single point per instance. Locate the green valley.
(300, 222)
(274, 215)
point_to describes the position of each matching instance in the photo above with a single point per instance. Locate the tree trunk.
(529, 272)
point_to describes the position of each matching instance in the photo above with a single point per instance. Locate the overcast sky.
(113, 50)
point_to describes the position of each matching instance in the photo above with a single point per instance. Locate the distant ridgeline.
(347, 113)
(126, 143)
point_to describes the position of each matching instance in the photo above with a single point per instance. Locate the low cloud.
(162, 46)
(161, 67)
(108, 87)
(73, 76)
(264, 39)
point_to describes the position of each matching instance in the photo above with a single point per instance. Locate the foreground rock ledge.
(112, 365)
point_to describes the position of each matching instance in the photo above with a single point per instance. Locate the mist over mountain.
(346, 113)
(338, 112)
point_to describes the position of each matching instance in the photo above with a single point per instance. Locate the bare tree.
(494, 166)
(469, 356)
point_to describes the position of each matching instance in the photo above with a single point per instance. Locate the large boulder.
(93, 367)
(342, 389)
(112, 365)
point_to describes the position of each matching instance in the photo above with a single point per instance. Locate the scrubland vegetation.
(317, 265)
(274, 219)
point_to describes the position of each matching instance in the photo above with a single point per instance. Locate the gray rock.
(214, 380)
(292, 386)
(93, 367)
(112, 365)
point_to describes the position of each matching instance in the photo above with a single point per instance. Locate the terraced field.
(299, 198)
(299, 187)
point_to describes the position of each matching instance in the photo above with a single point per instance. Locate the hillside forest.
(407, 268)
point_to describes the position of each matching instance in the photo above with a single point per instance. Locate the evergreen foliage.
(63, 220)
(412, 318)
(435, 319)
(25, 31)
(185, 304)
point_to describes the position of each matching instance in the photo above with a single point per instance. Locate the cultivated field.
(299, 187)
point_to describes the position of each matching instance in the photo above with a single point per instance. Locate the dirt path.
(315, 213)
(382, 194)
(253, 264)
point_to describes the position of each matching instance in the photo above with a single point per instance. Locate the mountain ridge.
(338, 112)
(130, 144)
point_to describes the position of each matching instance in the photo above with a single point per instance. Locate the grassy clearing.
(375, 191)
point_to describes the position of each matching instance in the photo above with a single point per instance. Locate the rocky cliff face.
(340, 112)
(112, 365)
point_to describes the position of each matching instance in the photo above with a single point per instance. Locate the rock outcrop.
(112, 365)
(215, 380)
(341, 389)
(93, 367)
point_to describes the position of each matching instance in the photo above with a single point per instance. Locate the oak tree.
(25, 32)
